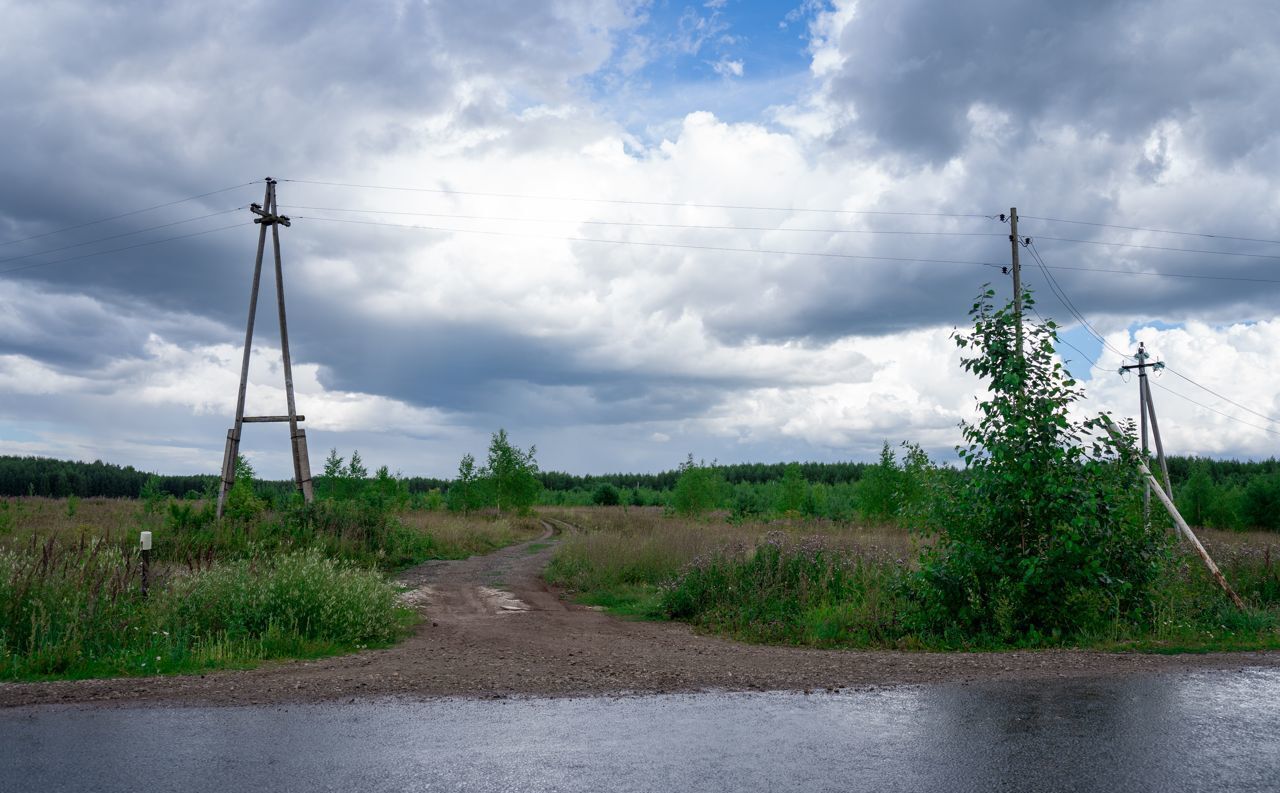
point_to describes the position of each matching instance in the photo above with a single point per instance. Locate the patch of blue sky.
(20, 433)
(1078, 349)
(733, 58)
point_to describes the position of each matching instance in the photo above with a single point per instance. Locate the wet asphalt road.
(1205, 731)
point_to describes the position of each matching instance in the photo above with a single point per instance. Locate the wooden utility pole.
(1015, 243)
(268, 215)
(1147, 412)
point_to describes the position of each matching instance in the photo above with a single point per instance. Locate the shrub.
(793, 592)
(1043, 536)
(301, 593)
(606, 495)
(699, 489)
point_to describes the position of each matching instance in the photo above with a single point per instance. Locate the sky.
(626, 231)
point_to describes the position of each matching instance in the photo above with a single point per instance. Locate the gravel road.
(493, 628)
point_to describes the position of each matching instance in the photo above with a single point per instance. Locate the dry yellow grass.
(23, 519)
(114, 518)
(642, 545)
(474, 533)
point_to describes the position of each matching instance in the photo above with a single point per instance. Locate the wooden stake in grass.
(146, 562)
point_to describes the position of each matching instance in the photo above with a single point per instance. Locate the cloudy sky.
(625, 230)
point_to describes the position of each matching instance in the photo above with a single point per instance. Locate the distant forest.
(42, 476)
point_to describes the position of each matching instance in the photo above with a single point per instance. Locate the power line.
(1220, 396)
(719, 248)
(1079, 316)
(1161, 248)
(1158, 274)
(649, 244)
(525, 196)
(1061, 294)
(652, 225)
(130, 213)
(1151, 230)
(1215, 410)
(1083, 354)
(119, 236)
(125, 248)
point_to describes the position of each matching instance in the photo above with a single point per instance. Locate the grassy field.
(299, 583)
(826, 584)
(622, 556)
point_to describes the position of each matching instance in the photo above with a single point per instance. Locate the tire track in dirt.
(492, 627)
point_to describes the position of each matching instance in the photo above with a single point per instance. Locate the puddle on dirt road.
(502, 601)
(1208, 730)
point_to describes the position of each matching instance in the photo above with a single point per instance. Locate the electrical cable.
(1061, 294)
(719, 248)
(125, 234)
(1161, 248)
(445, 191)
(130, 213)
(125, 248)
(1151, 230)
(1083, 354)
(650, 225)
(1220, 396)
(1158, 274)
(1215, 410)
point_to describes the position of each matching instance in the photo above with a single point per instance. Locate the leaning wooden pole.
(1182, 527)
(1155, 434)
(1190, 535)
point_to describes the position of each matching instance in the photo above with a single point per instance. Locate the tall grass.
(297, 581)
(826, 584)
(185, 532)
(76, 610)
(789, 590)
(619, 557)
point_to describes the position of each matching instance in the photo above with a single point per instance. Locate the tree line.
(1224, 494)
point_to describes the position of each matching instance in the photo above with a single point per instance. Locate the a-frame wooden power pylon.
(268, 216)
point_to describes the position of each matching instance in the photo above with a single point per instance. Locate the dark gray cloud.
(1143, 114)
(913, 70)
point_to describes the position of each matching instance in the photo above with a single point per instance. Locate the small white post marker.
(146, 561)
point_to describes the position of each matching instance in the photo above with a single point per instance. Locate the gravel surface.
(493, 628)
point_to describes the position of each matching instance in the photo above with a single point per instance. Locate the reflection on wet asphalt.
(1204, 731)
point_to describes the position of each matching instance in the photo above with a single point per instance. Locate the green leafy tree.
(793, 492)
(242, 501)
(878, 489)
(606, 495)
(465, 493)
(700, 489)
(328, 483)
(512, 474)
(355, 468)
(1043, 536)
(386, 492)
(1197, 494)
(152, 495)
(1262, 502)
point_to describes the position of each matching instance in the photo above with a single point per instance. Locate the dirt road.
(493, 628)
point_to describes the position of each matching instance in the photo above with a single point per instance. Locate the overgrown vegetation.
(508, 481)
(1038, 541)
(1044, 536)
(74, 609)
(273, 578)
